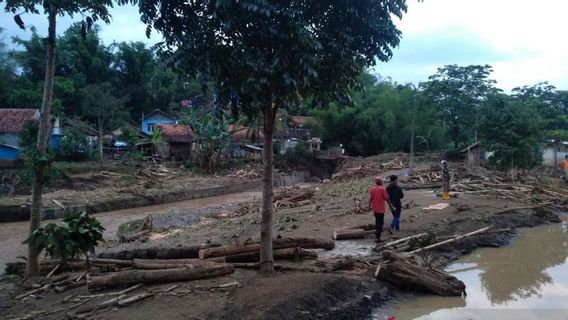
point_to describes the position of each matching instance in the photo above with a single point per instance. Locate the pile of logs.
(293, 197)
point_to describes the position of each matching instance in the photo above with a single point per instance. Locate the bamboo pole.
(449, 240)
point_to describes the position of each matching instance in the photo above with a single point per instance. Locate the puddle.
(528, 280)
(362, 248)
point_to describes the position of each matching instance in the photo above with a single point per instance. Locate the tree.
(459, 93)
(550, 105)
(513, 132)
(104, 108)
(270, 54)
(52, 8)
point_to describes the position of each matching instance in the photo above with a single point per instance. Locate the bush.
(79, 234)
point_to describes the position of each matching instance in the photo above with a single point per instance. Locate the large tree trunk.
(278, 254)
(157, 276)
(229, 250)
(157, 253)
(32, 268)
(266, 258)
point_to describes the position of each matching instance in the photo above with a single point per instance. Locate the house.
(243, 135)
(475, 153)
(175, 141)
(551, 149)
(156, 117)
(301, 127)
(12, 121)
(9, 155)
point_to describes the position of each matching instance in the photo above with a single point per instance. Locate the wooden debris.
(407, 274)
(229, 250)
(157, 276)
(156, 264)
(188, 252)
(295, 253)
(345, 234)
(450, 240)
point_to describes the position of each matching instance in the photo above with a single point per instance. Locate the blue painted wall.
(54, 142)
(9, 152)
(154, 119)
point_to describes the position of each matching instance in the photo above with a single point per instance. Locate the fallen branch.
(449, 241)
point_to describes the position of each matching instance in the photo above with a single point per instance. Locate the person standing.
(564, 166)
(445, 180)
(377, 197)
(395, 196)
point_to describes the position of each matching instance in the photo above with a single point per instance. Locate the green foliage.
(212, 133)
(78, 234)
(513, 131)
(458, 93)
(380, 120)
(74, 145)
(262, 52)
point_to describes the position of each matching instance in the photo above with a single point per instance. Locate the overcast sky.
(523, 40)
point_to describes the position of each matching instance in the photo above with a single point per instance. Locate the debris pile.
(292, 197)
(154, 171)
(244, 174)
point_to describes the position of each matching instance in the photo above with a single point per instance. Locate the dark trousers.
(379, 223)
(395, 224)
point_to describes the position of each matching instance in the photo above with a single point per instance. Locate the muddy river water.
(14, 233)
(527, 280)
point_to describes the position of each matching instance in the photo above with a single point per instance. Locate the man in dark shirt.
(395, 195)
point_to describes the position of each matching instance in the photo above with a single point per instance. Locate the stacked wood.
(410, 275)
(400, 244)
(189, 252)
(229, 250)
(158, 276)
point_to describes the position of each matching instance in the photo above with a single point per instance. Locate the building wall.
(548, 155)
(148, 123)
(7, 153)
(11, 139)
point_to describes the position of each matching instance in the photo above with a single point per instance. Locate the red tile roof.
(176, 132)
(240, 133)
(13, 120)
(302, 120)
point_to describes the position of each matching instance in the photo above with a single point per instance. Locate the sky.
(524, 40)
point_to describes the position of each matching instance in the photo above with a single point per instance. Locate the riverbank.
(349, 292)
(107, 191)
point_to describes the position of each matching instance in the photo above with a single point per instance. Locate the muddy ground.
(342, 294)
(119, 186)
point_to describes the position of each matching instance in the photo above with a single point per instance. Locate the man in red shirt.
(377, 197)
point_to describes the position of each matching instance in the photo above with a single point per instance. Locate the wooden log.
(399, 241)
(279, 254)
(409, 275)
(189, 252)
(157, 276)
(229, 250)
(106, 262)
(149, 264)
(339, 234)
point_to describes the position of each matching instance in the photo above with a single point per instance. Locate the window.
(151, 127)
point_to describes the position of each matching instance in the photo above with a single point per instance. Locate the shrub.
(78, 234)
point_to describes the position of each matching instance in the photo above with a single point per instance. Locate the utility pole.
(412, 129)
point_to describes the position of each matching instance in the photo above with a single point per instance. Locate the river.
(527, 280)
(12, 234)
